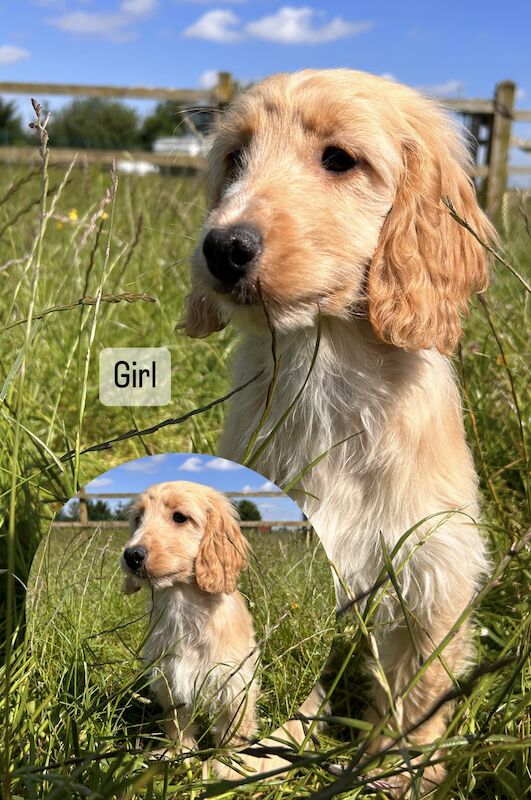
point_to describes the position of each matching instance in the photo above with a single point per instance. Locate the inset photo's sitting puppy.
(186, 546)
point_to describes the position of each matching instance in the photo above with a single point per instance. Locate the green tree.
(166, 120)
(96, 123)
(97, 510)
(248, 511)
(10, 124)
(70, 514)
(123, 510)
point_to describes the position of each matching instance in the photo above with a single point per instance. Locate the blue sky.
(451, 47)
(137, 475)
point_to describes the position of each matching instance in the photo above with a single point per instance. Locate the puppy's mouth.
(252, 293)
(244, 292)
(140, 575)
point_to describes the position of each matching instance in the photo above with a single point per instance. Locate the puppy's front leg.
(179, 727)
(237, 724)
(402, 655)
(288, 737)
(180, 730)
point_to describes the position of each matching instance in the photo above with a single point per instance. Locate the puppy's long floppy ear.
(427, 265)
(222, 553)
(201, 315)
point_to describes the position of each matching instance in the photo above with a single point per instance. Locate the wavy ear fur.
(201, 315)
(222, 553)
(426, 265)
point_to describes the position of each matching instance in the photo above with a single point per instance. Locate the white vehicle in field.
(187, 145)
(136, 167)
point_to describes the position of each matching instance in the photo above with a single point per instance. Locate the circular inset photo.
(188, 601)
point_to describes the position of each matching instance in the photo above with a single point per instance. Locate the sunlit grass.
(77, 735)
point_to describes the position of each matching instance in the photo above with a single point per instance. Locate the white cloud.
(388, 76)
(222, 464)
(266, 506)
(215, 26)
(97, 483)
(109, 25)
(265, 487)
(521, 93)
(138, 8)
(198, 464)
(9, 54)
(192, 464)
(288, 26)
(301, 26)
(147, 465)
(445, 89)
(208, 79)
(211, 2)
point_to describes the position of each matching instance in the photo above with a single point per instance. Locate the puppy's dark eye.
(235, 160)
(138, 520)
(334, 159)
(179, 518)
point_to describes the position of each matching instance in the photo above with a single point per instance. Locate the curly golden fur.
(364, 253)
(186, 545)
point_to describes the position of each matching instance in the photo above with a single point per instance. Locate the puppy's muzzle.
(135, 557)
(230, 253)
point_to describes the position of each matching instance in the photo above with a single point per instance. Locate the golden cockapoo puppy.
(186, 545)
(328, 219)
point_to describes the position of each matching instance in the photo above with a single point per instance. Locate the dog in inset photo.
(328, 226)
(187, 547)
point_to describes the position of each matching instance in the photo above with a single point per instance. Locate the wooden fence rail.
(220, 94)
(495, 116)
(84, 521)
(65, 155)
(119, 523)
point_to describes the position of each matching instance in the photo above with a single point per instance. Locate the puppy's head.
(326, 193)
(183, 533)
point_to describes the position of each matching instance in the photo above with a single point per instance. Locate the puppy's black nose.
(135, 556)
(230, 252)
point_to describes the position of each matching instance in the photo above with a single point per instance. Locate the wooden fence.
(84, 521)
(217, 97)
(490, 122)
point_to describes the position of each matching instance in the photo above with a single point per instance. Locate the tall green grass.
(78, 618)
(90, 235)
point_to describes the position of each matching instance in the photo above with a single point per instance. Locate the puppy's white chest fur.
(200, 651)
(387, 424)
(179, 646)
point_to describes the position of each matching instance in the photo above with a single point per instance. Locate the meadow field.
(90, 260)
(79, 618)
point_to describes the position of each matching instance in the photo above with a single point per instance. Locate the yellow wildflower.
(72, 215)
(104, 215)
(294, 605)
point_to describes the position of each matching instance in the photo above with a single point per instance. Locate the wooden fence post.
(83, 507)
(225, 89)
(500, 142)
